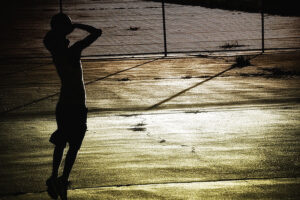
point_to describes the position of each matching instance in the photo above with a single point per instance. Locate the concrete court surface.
(172, 128)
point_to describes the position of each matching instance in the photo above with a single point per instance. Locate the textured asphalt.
(160, 128)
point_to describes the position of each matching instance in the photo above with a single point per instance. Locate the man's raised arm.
(94, 34)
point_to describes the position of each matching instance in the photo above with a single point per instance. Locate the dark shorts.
(71, 125)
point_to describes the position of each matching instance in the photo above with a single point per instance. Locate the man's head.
(55, 43)
(62, 24)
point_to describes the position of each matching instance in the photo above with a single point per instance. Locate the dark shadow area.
(275, 7)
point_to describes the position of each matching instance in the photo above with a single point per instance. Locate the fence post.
(164, 27)
(60, 6)
(262, 27)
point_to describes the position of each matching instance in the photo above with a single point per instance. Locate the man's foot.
(51, 187)
(62, 187)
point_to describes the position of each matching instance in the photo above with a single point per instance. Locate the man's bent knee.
(60, 146)
(74, 148)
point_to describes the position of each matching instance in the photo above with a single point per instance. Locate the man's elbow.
(98, 32)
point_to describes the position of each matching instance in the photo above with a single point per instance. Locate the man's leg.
(69, 162)
(52, 181)
(57, 157)
(63, 180)
(78, 127)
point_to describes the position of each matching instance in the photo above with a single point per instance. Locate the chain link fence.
(135, 27)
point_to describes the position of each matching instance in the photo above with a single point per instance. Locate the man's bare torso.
(69, 69)
(67, 61)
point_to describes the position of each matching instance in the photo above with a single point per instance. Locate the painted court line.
(87, 83)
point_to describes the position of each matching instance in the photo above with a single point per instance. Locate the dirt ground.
(160, 128)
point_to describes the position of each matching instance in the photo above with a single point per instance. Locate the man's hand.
(88, 28)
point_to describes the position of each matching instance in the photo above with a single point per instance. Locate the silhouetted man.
(71, 111)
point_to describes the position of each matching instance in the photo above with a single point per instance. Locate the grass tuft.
(241, 61)
(228, 45)
(133, 28)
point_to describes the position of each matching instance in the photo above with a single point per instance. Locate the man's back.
(69, 69)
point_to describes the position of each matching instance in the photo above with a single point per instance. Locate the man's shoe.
(62, 188)
(51, 187)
